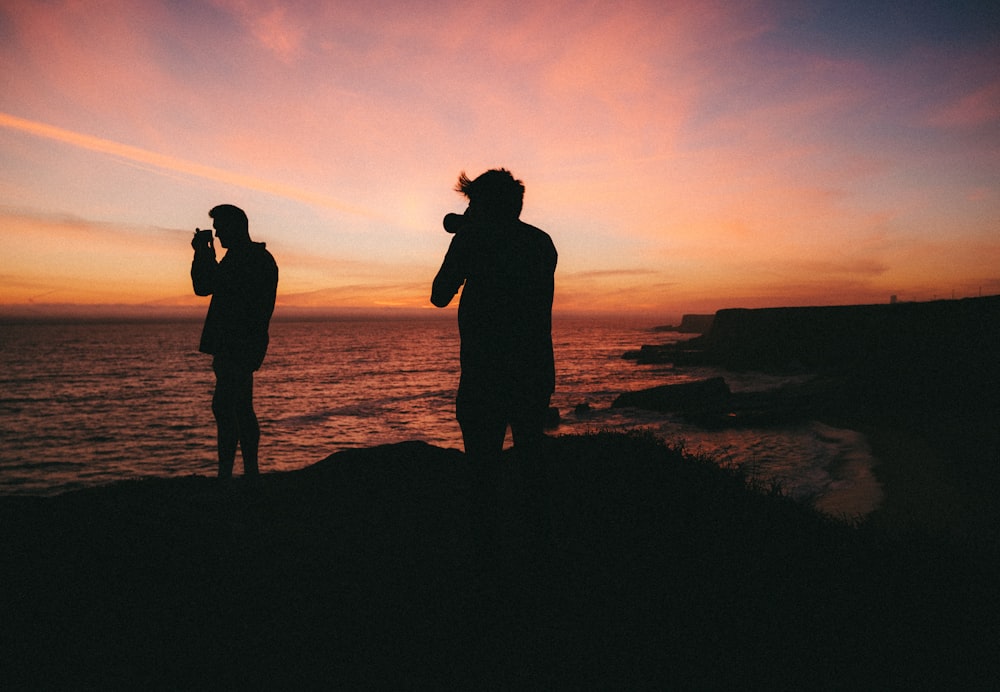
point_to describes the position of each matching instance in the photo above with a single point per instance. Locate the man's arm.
(270, 284)
(203, 273)
(203, 265)
(450, 276)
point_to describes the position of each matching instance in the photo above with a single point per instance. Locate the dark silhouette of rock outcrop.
(710, 394)
(932, 369)
(934, 352)
(690, 324)
(665, 572)
(909, 341)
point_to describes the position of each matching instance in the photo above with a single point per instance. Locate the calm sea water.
(91, 403)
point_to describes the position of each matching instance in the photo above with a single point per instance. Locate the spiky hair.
(496, 190)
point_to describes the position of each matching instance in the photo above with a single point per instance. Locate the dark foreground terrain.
(359, 572)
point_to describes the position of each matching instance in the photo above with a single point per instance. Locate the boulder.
(686, 396)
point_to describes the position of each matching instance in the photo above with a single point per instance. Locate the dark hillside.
(664, 571)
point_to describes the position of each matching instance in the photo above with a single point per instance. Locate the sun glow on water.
(93, 403)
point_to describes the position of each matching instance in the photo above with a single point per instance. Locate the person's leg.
(227, 425)
(527, 427)
(246, 419)
(527, 430)
(483, 438)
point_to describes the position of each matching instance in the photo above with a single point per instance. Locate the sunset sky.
(684, 156)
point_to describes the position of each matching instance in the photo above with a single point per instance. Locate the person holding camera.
(243, 286)
(507, 268)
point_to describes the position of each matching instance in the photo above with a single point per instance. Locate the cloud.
(720, 146)
(176, 165)
(275, 30)
(611, 273)
(973, 109)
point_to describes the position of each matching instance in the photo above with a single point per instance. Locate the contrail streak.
(174, 164)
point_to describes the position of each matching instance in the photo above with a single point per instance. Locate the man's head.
(231, 225)
(495, 193)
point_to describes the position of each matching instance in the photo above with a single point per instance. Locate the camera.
(202, 240)
(454, 222)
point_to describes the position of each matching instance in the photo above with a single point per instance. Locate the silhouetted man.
(505, 322)
(243, 288)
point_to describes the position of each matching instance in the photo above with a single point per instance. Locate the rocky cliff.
(930, 353)
(945, 348)
(929, 369)
(690, 324)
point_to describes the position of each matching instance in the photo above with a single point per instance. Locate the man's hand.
(202, 240)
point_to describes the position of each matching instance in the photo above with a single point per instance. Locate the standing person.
(243, 287)
(505, 323)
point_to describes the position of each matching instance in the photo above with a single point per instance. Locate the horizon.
(685, 157)
(54, 313)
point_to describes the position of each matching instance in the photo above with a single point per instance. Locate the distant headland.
(921, 380)
(690, 324)
(940, 349)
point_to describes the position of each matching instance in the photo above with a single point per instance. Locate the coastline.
(919, 380)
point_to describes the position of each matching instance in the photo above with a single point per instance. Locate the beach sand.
(361, 572)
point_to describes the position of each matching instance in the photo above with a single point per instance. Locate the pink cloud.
(277, 33)
(174, 164)
(676, 136)
(973, 109)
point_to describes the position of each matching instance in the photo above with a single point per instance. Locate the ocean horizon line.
(160, 311)
(74, 313)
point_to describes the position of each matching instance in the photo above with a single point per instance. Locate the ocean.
(91, 403)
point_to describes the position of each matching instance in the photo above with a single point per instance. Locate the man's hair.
(496, 190)
(231, 217)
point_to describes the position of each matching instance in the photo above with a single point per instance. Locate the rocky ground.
(359, 572)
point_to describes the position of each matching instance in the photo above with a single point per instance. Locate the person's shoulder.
(259, 259)
(260, 251)
(533, 230)
(537, 235)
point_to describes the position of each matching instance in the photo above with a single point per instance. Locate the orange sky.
(684, 156)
